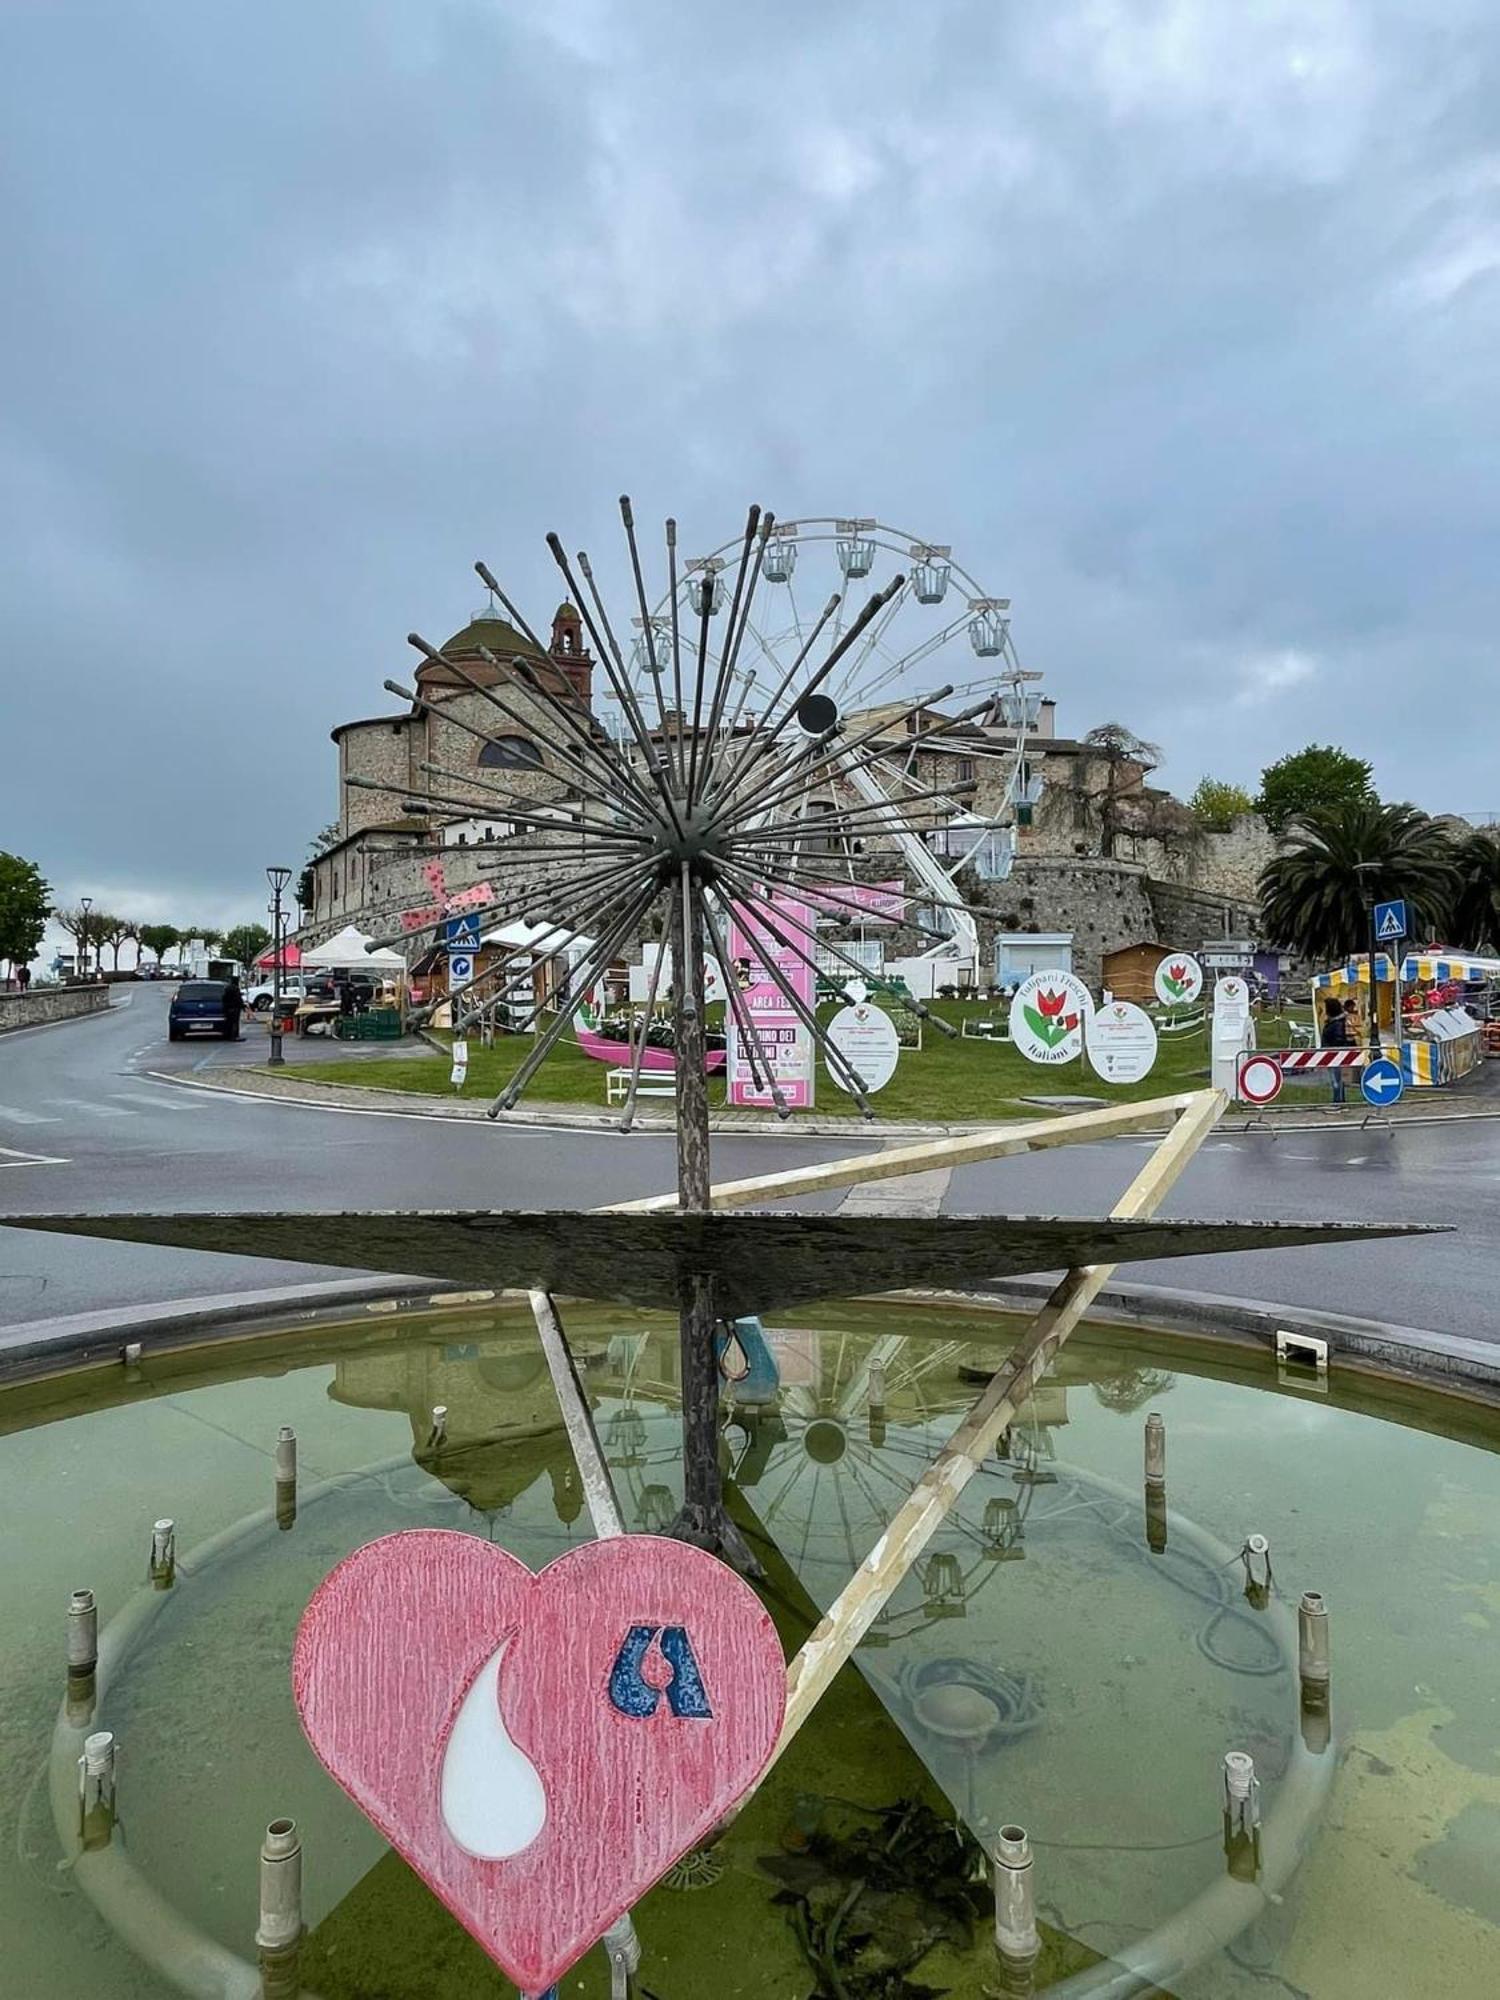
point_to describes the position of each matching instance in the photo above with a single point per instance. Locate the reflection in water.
(1055, 1661)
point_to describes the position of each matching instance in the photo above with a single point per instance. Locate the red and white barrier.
(1262, 1072)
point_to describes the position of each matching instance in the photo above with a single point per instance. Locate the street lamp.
(85, 903)
(278, 879)
(1365, 869)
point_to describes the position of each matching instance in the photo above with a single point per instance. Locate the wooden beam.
(1029, 1136)
(578, 1419)
(935, 1494)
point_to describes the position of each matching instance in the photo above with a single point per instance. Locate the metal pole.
(1374, 990)
(703, 1520)
(276, 1059)
(1016, 1936)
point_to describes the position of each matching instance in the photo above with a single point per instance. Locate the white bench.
(653, 1083)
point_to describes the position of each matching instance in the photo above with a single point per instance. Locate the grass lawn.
(952, 1082)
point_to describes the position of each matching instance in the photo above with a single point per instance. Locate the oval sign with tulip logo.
(1048, 1016)
(1179, 979)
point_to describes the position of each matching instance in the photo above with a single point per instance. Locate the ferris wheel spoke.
(850, 676)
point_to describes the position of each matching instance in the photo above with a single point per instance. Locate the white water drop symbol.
(492, 1798)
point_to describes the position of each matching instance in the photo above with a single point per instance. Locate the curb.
(1437, 1360)
(415, 1104)
(35, 1347)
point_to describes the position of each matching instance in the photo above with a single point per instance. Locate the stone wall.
(50, 1003)
(1104, 904)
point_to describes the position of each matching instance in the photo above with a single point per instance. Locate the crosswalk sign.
(1390, 921)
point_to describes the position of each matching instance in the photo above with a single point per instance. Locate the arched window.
(511, 753)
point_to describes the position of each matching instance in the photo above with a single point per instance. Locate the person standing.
(234, 1006)
(1336, 1035)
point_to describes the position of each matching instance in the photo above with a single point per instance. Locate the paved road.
(76, 1096)
(83, 1128)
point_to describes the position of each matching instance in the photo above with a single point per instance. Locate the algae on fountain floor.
(390, 1939)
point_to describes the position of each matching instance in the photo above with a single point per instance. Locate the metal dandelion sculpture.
(696, 824)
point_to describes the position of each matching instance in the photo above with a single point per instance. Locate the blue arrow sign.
(1381, 1082)
(1390, 921)
(462, 933)
(460, 968)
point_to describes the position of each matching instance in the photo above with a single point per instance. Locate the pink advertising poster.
(787, 1044)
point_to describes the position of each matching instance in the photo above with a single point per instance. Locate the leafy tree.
(245, 943)
(25, 901)
(113, 931)
(1218, 804)
(1316, 901)
(209, 937)
(87, 928)
(1310, 781)
(159, 939)
(326, 837)
(1476, 902)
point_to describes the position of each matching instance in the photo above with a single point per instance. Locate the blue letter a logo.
(632, 1694)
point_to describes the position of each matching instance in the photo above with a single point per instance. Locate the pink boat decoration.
(612, 1049)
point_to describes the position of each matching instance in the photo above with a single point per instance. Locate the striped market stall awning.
(1355, 973)
(1428, 968)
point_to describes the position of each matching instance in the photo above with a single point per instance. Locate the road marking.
(92, 1106)
(155, 1103)
(20, 1117)
(9, 1157)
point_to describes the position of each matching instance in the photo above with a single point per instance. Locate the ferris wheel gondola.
(896, 783)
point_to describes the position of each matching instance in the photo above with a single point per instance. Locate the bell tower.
(569, 655)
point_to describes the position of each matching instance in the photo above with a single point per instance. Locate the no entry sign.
(1259, 1079)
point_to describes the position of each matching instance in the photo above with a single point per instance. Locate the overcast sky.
(1176, 318)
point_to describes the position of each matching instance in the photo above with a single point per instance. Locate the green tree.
(25, 901)
(320, 843)
(87, 929)
(1218, 804)
(245, 943)
(1476, 901)
(1316, 895)
(113, 931)
(1310, 781)
(159, 939)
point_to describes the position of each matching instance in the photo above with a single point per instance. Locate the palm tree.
(1316, 894)
(1476, 904)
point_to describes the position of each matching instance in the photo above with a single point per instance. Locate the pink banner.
(861, 902)
(465, 899)
(787, 1044)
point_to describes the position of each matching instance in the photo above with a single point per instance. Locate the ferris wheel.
(941, 642)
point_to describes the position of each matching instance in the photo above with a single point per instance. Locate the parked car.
(263, 993)
(200, 1003)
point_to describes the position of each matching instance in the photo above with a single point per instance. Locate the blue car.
(203, 1003)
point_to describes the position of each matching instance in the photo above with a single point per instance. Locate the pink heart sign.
(540, 1747)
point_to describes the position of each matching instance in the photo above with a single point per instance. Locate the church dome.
(486, 628)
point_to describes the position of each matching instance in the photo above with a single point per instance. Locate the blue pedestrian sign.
(462, 933)
(1381, 1082)
(1390, 922)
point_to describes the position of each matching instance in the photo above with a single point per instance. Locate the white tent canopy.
(538, 938)
(350, 951)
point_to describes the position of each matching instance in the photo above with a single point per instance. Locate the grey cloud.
(1175, 320)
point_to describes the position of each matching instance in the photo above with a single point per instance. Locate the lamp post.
(278, 879)
(85, 903)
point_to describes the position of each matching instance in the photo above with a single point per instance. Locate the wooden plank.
(754, 1262)
(1029, 1136)
(935, 1494)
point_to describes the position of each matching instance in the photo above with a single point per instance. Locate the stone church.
(452, 739)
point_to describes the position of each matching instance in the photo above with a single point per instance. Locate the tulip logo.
(1047, 1020)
